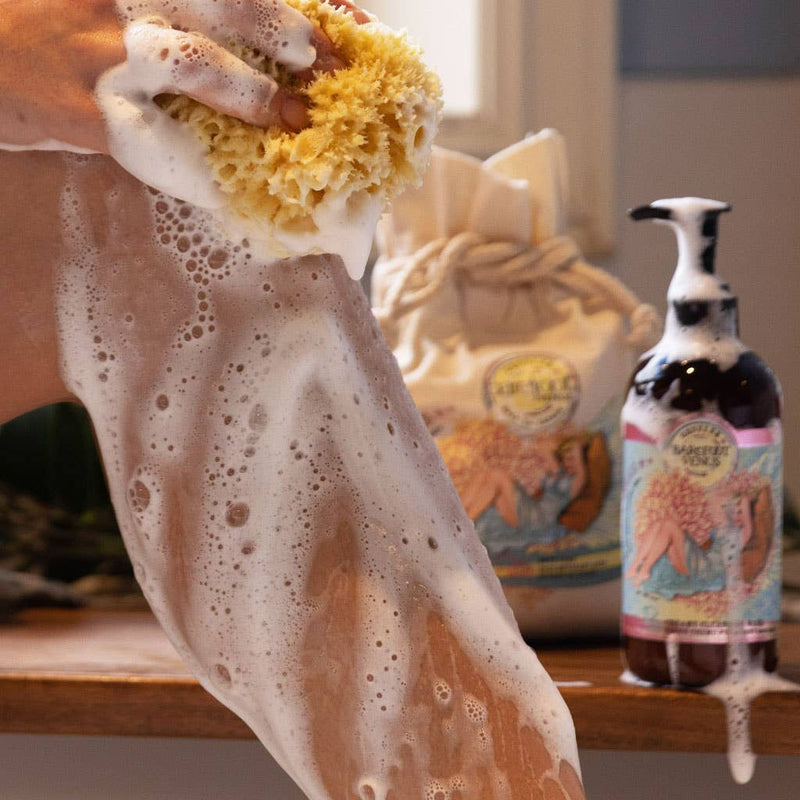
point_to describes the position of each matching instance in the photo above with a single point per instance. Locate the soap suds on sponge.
(372, 125)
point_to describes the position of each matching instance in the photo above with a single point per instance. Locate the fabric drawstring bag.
(517, 353)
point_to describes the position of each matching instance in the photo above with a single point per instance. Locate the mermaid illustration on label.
(532, 480)
(704, 514)
(681, 530)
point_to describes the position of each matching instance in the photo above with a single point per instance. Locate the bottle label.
(543, 492)
(701, 532)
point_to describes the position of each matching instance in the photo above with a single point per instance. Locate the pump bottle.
(702, 484)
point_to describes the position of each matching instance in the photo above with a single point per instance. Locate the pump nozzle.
(695, 220)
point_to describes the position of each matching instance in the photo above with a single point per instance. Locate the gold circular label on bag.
(703, 449)
(532, 391)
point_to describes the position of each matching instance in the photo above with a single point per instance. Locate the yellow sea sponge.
(372, 125)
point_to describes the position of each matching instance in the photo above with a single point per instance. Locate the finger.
(190, 64)
(361, 17)
(271, 27)
(327, 60)
(291, 111)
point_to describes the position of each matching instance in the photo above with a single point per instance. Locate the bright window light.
(449, 32)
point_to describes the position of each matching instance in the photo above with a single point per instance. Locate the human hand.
(54, 52)
(360, 16)
(51, 54)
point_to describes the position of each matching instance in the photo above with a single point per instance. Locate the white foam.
(168, 156)
(673, 662)
(248, 415)
(342, 226)
(162, 59)
(744, 681)
(700, 341)
(745, 678)
(158, 150)
(47, 145)
(631, 679)
(690, 281)
(272, 26)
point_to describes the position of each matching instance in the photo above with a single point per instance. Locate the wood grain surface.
(114, 673)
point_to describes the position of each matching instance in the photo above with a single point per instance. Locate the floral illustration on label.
(689, 505)
(539, 494)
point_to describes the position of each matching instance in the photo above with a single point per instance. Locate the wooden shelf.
(115, 674)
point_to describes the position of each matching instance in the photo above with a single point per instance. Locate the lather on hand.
(53, 52)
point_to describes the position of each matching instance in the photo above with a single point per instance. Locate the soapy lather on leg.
(261, 450)
(289, 518)
(287, 623)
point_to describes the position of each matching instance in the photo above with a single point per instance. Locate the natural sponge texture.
(372, 125)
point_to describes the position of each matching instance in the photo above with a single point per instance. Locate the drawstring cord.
(474, 259)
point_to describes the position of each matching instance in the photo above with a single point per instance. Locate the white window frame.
(574, 87)
(499, 119)
(552, 63)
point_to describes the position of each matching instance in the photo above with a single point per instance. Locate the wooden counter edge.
(114, 706)
(606, 718)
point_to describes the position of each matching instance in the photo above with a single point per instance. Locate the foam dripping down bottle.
(702, 496)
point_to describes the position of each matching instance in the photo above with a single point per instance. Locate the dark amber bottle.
(701, 517)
